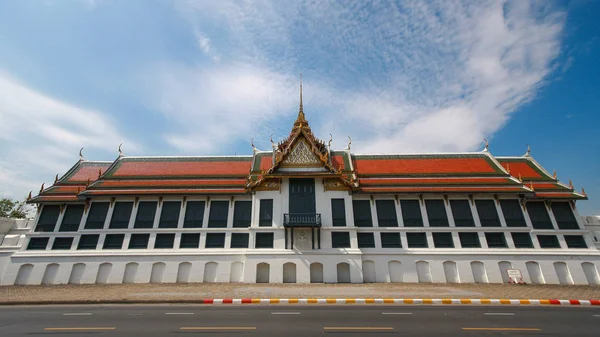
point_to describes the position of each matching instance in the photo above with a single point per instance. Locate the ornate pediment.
(301, 156)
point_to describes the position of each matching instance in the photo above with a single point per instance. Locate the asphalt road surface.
(297, 320)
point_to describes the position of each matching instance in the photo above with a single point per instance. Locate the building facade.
(304, 213)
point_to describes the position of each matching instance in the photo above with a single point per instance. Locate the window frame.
(121, 223)
(82, 245)
(439, 237)
(212, 236)
(56, 239)
(108, 238)
(49, 226)
(489, 235)
(514, 219)
(95, 223)
(137, 245)
(340, 240)
(485, 220)
(555, 244)
(213, 221)
(434, 220)
(265, 213)
(458, 217)
(365, 239)
(267, 244)
(519, 244)
(185, 241)
(168, 244)
(463, 237)
(73, 226)
(236, 243)
(362, 221)
(32, 244)
(338, 213)
(386, 243)
(170, 206)
(419, 235)
(143, 221)
(191, 220)
(407, 218)
(246, 217)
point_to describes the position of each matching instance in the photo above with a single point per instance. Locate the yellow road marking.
(331, 300)
(504, 301)
(72, 329)
(408, 301)
(356, 328)
(350, 300)
(274, 300)
(217, 328)
(502, 329)
(465, 301)
(524, 301)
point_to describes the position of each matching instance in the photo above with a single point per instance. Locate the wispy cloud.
(40, 136)
(411, 76)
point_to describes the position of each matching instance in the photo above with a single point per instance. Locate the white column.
(181, 215)
(474, 213)
(501, 214)
(399, 213)
(424, 213)
(230, 213)
(206, 215)
(374, 218)
(151, 241)
(449, 213)
(551, 215)
(133, 214)
(157, 212)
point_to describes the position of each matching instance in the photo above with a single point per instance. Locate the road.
(297, 320)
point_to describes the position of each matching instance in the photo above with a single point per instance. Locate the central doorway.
(302, 196)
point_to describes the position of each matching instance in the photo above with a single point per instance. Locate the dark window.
(113, 241)
(469, 240)
(513, 213)
(461, 212)
(436, 212)
(362, 213)
(218, 214)
(443, 240)
(539, 215)
(266, 213)
(145, 214)
(242, 213)
(215, 240)
(548, 241)
(62, 243)
(169, 214)
(411, 213)
(97, 215)
(72, 218)
(139, 241)
(496, 240)
(48, 218)
(121, 215)
(365, 240)
(37, 243)
(416, 240)
(390, 240)
(164, 240)
(386, 213)
(340, 239)
(564, 215)
(264, 240)
(488, 214)
(338, 212)
(194, 214)
(575, 241)
(89, 241)
(239, 240)
(522, 240)
(190, 240)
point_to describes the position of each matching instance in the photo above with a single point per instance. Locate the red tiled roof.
(164, 191)
(409, 166)
(266, 162)
(338, 162)
(523, 168)
(86, 172)
(166, 182)
(182, 168)
(433, 181)
(441, 189)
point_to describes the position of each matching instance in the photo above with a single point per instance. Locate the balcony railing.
(302, 220)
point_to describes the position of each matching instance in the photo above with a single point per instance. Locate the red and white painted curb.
(414, 301)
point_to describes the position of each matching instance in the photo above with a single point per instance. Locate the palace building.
(303, 213)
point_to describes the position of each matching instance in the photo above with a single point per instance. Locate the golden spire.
(531, 185)
(301, 118)
(520, 178)
(554, 175)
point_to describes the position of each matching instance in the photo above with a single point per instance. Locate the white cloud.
(41, 136)
(405, 77)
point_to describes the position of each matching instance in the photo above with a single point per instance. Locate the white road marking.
(77, 314)
(179, 313)
(396, 313)
(596, 315)
(285, 313)
(134, 314)
(499, 314)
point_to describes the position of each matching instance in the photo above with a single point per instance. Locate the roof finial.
(301, 116)
(121, 154)
(42, 188)
(81, 154)
(329, 142)
(99, 173)
(554, 175)
(252, 143)
(528, 153)
(349, 143)
(272, 142)
(56, 178)
(531, 185)
(583, 191)
(508, 168)
(520, 178)
(570, 184)
(487, 145)
(87, 184)
(29, 196)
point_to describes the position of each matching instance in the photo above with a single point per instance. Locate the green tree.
(13, 209)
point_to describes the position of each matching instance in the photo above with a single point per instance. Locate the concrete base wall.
(350, 267)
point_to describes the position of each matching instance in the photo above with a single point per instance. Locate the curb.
(400, 301)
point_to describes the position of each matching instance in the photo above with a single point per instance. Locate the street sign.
(515, 276)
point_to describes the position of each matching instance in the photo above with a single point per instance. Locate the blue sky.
(204, 77)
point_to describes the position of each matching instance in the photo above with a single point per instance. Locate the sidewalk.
(164, 293)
